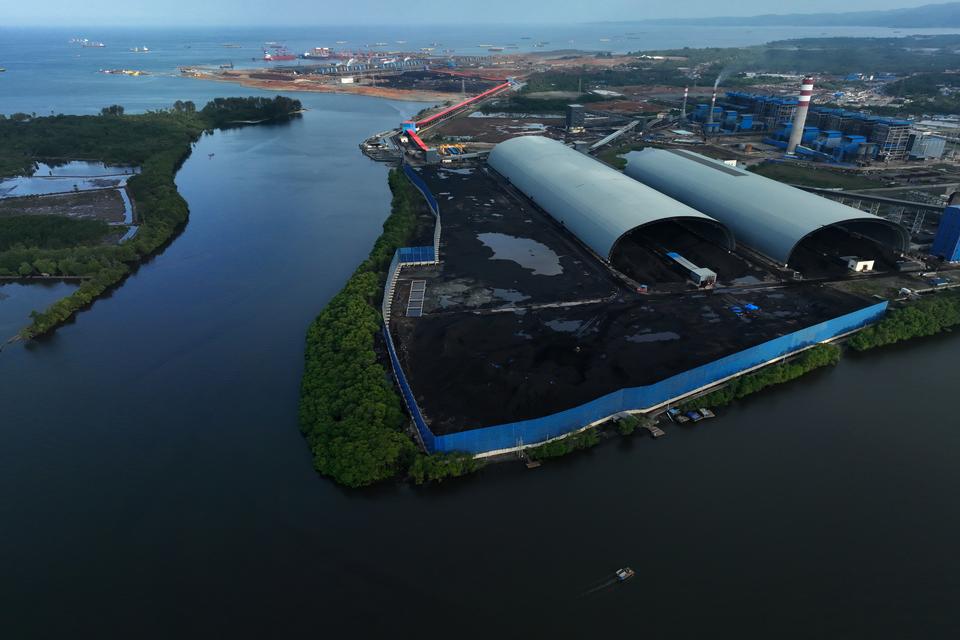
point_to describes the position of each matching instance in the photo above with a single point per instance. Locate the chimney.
(683, 110)
(713, 103)
(803, 105)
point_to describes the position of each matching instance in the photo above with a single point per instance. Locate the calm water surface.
(153, 483)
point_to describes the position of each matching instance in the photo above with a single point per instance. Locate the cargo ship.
(317, 52)
(279, 56)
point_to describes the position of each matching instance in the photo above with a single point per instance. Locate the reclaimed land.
(157, 141)
(352, 416)
(247, 79)
(350, 412)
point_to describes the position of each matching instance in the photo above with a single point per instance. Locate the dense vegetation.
(157, 141)
(563, 446)
(222, 112)
(925, 317)
(440, 466)
(350, 413)
(843, 55)
(50, 232)
(927, 93)
(819, 356)
(926, 16)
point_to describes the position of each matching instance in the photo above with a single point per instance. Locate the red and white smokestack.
(803, 105)
(683, 110)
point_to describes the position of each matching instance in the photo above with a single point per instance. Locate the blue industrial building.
(946, 244)
(884, 138)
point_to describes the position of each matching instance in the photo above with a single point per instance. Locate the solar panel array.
(416, 254)
(418, 289)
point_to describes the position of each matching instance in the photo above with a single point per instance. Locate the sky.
(140, 13)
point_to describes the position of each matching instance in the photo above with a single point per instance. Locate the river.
(153, 482)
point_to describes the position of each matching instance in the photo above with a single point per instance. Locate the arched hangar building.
(789, 226)
(602, 207)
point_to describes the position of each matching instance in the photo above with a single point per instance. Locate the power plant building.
(599, 205)
(770, 217)
(576, 118)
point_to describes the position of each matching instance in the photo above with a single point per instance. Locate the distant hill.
(931, 15)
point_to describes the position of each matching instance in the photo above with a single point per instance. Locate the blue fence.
(423, 188)
(508, 436)
(426, 436)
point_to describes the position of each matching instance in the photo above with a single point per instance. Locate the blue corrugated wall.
(507, 436)
(423, 188)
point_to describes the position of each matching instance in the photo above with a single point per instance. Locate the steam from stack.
(803, 105)
(713, 100)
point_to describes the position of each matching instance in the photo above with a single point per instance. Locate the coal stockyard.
(556, 292)
(532, 323)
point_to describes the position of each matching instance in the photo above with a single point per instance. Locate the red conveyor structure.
(457, 107)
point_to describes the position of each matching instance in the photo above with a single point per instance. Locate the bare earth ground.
(244, 79)
(101, 204)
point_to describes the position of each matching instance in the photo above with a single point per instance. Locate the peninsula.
(126, 211)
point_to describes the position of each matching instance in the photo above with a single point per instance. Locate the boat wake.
(606, 583)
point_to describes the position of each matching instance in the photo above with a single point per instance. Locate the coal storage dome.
(596, 203)
(766, 215)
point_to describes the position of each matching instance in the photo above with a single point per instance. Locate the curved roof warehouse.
(596, 203)
(770, 217)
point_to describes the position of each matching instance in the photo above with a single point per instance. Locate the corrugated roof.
(596, 203)
(764, 214)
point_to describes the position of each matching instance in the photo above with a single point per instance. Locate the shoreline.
(153, 191)
(307, 86)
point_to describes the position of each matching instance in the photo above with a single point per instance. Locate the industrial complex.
(553, 292)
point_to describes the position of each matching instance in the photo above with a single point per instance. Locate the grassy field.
(807, 177)
(612, 155)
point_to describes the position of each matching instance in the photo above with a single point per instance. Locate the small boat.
(625, 574)
(2, 69)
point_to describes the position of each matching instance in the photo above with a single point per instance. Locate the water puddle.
(566, 326)
(661, 336)
(510, 295)
(528, 253)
